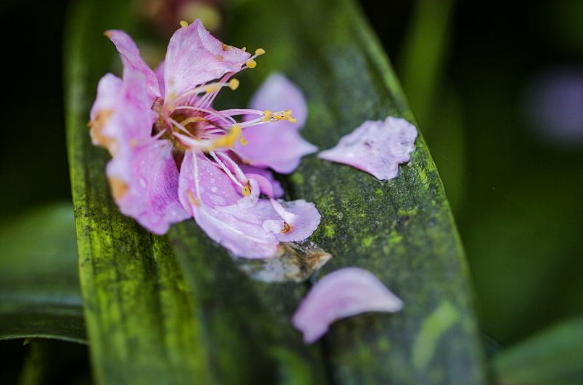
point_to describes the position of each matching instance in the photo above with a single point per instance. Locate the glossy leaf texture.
(552, 356)
(140, 321)
(39, 284)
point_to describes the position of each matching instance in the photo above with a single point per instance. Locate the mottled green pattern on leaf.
(553, 356)
(139, 313)
(140, 322)
(39, 284)
(401, 230)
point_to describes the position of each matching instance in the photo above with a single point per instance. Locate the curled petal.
(195, 57)
(277, 145)
(341, 294)
(131, 58)
(277, 189)
(145, 186)
(305, 222)
(376, 147)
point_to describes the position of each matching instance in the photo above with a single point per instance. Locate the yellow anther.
(229, 138)
(259, 51)
(287, 113)
(246, 191)
(251, 63)
(267, 115)
(183, 24)
(243, 141)
(292, 120)
(244, 49)
(234, 84)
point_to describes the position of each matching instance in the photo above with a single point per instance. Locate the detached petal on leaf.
(278, 145)
(341, 294)
(376, 147)
(195, 57)
(130, 55)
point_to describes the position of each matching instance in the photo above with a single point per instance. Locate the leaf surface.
(39, 283)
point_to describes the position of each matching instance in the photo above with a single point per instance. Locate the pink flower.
(174, 156)
(341, 294)
(376, 147)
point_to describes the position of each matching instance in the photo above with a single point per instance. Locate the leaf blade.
(140, 322)
(39, 286)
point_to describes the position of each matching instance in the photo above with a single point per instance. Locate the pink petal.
(341, 294)
(376, 147)
(236, 223)
(195, 57)
(216, 188)
(277, 145)
(131, 58)
(145, 186)
(306, 221)
(278, 93)
(159, 71)
(121, 116)
(235, 228)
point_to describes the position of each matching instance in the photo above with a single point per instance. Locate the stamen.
(287, 228)
(246, 191)
(225, 169)
(226, 119)
(183, 24)
(267, 115)
(251, 63)
(259, 52)
(234, 166)
(229, 138)
(234, 84)
(181, 127)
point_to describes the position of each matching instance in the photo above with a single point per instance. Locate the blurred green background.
(497, 88)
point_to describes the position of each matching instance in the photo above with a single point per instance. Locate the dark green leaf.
(39, 284)
(401, 230)
(140, 323)
(553, 356)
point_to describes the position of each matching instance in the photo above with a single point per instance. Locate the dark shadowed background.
(497, 88)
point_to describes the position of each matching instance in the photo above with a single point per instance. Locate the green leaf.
(39, 284)
(552, 356)
(140, 322)
(401, 230)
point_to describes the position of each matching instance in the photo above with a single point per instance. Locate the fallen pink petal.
(175, 157)
(343, 293)
(376, 147)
